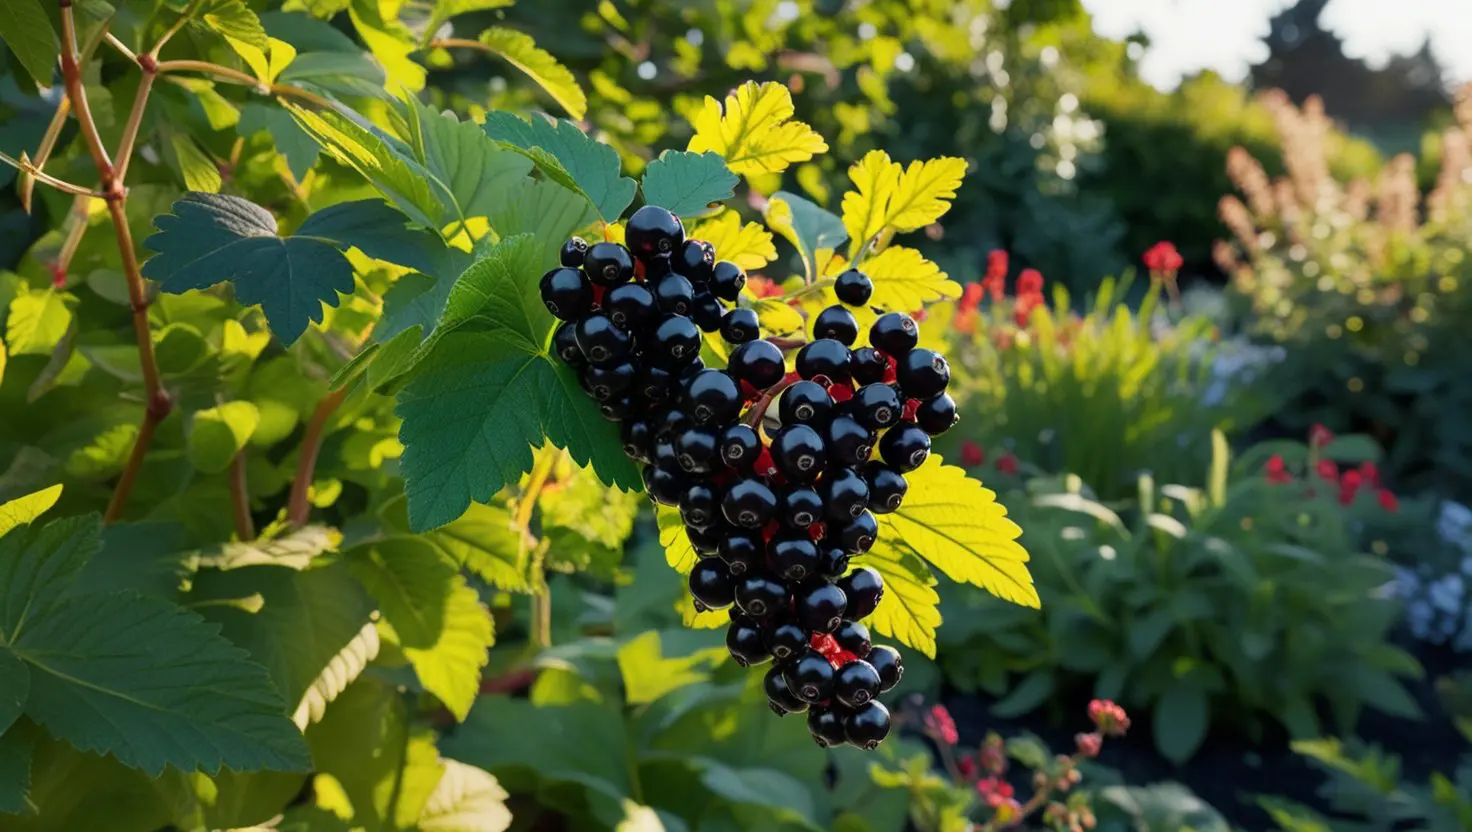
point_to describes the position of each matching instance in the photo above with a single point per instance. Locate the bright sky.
(1226, 35)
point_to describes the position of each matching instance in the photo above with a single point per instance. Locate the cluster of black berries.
(775, 507)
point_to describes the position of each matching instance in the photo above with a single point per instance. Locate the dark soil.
(1229, 771)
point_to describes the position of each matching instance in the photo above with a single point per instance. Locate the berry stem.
(299, 508)
(759, 407)
(785, 344)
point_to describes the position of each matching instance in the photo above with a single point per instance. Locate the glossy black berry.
(706, 541)
(894, 334)
(747, 645)
(630, 306)
(856, 683)
(853, 287)
(740, 325)
(858, 535)
(937, 414)
(638, 440)
(608, 264)
(805, 403)
(749, 504)
(654, 384)
(904, 447)
(810, 678)
(837, 323)
(887, 661)
(740, 446)
(868, 365)
(676, 341)
(727, 280)
(566, 293)
(824, 358)
(826, 727)
(832, 560)
(675, 295)
(742, 552)
(654, 232)
(820, 607)
(572, 252)
(696, 450)
(922, 374)
(867, 727)
(700, 506)
(696, 260)
(616, 409)
(786, 641)
(671, 424)
(853, 636)
(664, 455)
(801, 507)
(707, 312)
(887, 487)
(759, 596)
(863, 587)
(712, 397)
(849, 443)
(780, 697)
(798, 452)
(876, 406)
(711, 584)
(845, 495)
(794, 558)
(758, 363)
(565, 344)
(610, 381)
(601, 341)
(663, 485)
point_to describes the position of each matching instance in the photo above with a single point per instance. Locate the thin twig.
(245, 528)
(45, 178)
(299, 508)
(48, 144)
(135, 119)
(174, 29)
(113, 41)
(236, 76)
(759, 407)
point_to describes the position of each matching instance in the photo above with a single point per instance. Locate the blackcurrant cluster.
(775, 507)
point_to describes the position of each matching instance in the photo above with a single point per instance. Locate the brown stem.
(236, 76)
(299, 509)
(785, 344)
(135, 118)
(245, 528)
(512, 681)
(759, 407)
(48, 143)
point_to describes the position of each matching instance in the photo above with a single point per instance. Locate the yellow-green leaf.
(777, 317)
(748, 246)
(23, 510)
(889, 195)
(3, 355)
(199, 171)
(390, 41)
(905, 281)
(219, 433)
(649, 674)
(679, 552)
(960, 528)
(37, 322)
(909, 609)
(754, 132)
(519, 50)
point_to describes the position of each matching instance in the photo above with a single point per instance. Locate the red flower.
(1349, 486)
(994, 790)
(1163, 257)
(966, 765)
(1109, 717)
(940, 725)
(1089, 744)
(1277, 470)
(993, 754)
(1319, 436)
(971, 296)
(996, 275)
(1007, 464)
(972, 454)
(1388, 501)
(1328, 470)
(1371, 472)
(1030, 282)
(763, 287)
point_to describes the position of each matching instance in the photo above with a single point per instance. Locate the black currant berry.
(608, 264)
(675, 295)
(696, 260)
(740, 325)
(711, 584)
(700, 506)
(922, 374)
(798, 452)
(727, 280)
(617, 409)
(826, 727)
(566, 293)
(711, 396)
(863, 587)
(742, 552)
(876, 406)
(837, 323)
(609, 382)
(664, 455)
(740, 446)
(676, 342)
(787, 641)
(867, 727)
(654, 383)
(820, 606)
(601, 341)
(747, 645)
(565, 344)
(853, 636)
(849, 443)
(887, 487)
(630, 306)
(638, 440)
(696, 450)
(758, 595)
(858, 535)
(810, 678)
(832, 560)
(868, 365)
(758, 363)
(853, 287)
(887, 661)
(937, 414)
(663, 485)
(904, 447)
(805, 403)
(654, 232)
(894, 334)
(794, 558)
(845, 494)
(707, 541)
(707, 312)
(855, 684)
(572, 252)
(671, 424)
(749, 504)
(801, 507)
(779, 696)
(824, 358)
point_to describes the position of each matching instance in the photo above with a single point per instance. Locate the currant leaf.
(569, 156)
(754, 132)
(686, 183)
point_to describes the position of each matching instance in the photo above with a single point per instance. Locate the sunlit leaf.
(748, 246)
(905, 281)
(518, 49)
(753, 132)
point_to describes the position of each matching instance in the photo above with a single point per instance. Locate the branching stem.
(299, 509)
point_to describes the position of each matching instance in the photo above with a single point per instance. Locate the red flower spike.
(971, 296)
(911, 406)
(1030, 282)
(1007, 464)
(1163, 257)
(972, 454)
(840, 393)
(1277, 471)
(940, 725)
(966, 765)
(1089, 744)
(1319, 436)
(1371, 472)
(1388, 501)
(1109, 717)
(1328, 470)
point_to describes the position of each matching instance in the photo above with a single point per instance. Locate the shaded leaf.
(687, 183)
(473, 173)
(809, 227)
(218, 434)
(581, 162)
(27, 32)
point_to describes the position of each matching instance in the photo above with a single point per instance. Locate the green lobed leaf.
(806, 225)
(446, 9)
(548, 211)
(234, 20)
(473, 173)
(27, 508)
(37, 322)
(679, 552)
(466, 799)
(383, 771)
(27, 32)
(687, 183)
(294, 550)
(909, 609)
(380, 231)
(15, 688)
(648, 674)
(17, 745)
(288, 137)
(485, 542)
(521, 51)
(376, 158)
(37, 565)
(578, 160)
(218, 434)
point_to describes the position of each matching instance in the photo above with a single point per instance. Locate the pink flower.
(1277, 471)
(1319, 436)
(1109, 717)
(1349, 486)
(1089, 744)
(966, 765)
(763, 287)
(972, 454)
(1388, 501)
(1371, 472)
(940, 725)
(994, 790)
(1328, 470)
(1007, 464)
(1163, 257)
